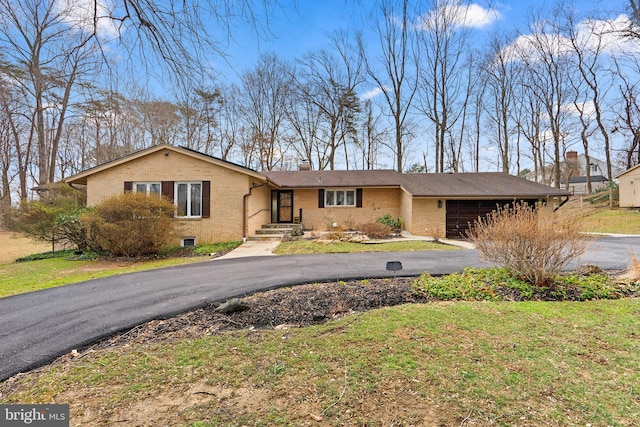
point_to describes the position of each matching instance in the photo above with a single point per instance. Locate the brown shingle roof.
(455, 185)
(328, 178)
(483, 184)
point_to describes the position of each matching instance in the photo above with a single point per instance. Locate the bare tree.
(265, 92)
(160, 119)
(501, 74)
(397, 79)
(373, 135)
(628, 116)
(328, 80)
(588, 46)
(48, 56)
(546, 58)
(446, 74)
(304, 116)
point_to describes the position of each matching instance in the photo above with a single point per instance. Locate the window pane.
(340, 198)
(351, 198)
(154, 188)
(181, 200)
(330, 198)
(141, 188)
(196, 200)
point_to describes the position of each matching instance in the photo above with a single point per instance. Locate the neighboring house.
(224, 201)
(575, 168)
(629, 186)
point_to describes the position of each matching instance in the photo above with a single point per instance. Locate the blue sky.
(298, 27)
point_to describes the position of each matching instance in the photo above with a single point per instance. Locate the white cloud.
(461, 16)
(588, 108)
(609, 34)
(590, 35)
(83, 14)
(371, 94)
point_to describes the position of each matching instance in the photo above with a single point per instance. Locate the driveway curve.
(37, 327)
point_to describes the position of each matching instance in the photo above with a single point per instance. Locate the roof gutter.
(245, 220)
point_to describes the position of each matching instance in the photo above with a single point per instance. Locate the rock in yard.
(232, 306)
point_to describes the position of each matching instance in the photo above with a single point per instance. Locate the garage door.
(461, 214)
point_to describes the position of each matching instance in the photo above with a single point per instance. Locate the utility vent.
(188, 241)
(304, 165)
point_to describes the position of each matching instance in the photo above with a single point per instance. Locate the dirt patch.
(14, 246)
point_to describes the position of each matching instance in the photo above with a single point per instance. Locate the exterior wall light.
(439, 204)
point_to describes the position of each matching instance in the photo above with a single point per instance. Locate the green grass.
(296, 247)
(617, 221)
(527, 363)
(46, 272)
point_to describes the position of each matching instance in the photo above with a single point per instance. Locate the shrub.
(131, 224)
(529, 242)
(53, 218)
(497, 284)
(375, 230)
(390, 222)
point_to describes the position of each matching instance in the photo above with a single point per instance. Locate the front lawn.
(480, 363)
(616, 221)
(28, 276)
(296, 247)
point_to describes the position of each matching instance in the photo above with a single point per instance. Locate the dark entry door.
(282, 206)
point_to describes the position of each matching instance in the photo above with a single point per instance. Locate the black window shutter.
(358, 197)
(321, 198)
(128, 186)
(167, 190)
(206, 199)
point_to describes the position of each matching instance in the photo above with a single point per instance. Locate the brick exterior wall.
(228, 187)
(227, 190)
(376, 202)
(428, 219)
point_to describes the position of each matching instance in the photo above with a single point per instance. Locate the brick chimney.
(572, 157)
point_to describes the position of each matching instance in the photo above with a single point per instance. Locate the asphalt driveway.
(40, 326)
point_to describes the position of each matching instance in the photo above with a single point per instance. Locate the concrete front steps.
(273, 231)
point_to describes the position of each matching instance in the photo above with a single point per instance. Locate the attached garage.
(462, 214)
(462, 198)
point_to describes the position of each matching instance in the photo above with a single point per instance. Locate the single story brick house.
(629, 186)
(220, 200)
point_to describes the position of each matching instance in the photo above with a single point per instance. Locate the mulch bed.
(298, 306)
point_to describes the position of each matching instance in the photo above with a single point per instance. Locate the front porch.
(274, 231)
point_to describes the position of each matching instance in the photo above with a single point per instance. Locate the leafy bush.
(53, 218)
(529, 242)
(131, 224)
(497, 284)
(375, 230)
(472, 285)
(390, 222)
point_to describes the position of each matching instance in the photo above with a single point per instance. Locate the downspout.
(244, 208)
(561, 204)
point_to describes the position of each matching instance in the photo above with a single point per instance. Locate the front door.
(282, 206)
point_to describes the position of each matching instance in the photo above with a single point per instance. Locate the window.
(147, 187)
(188, 241)
(340, 198)
(188, 199)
